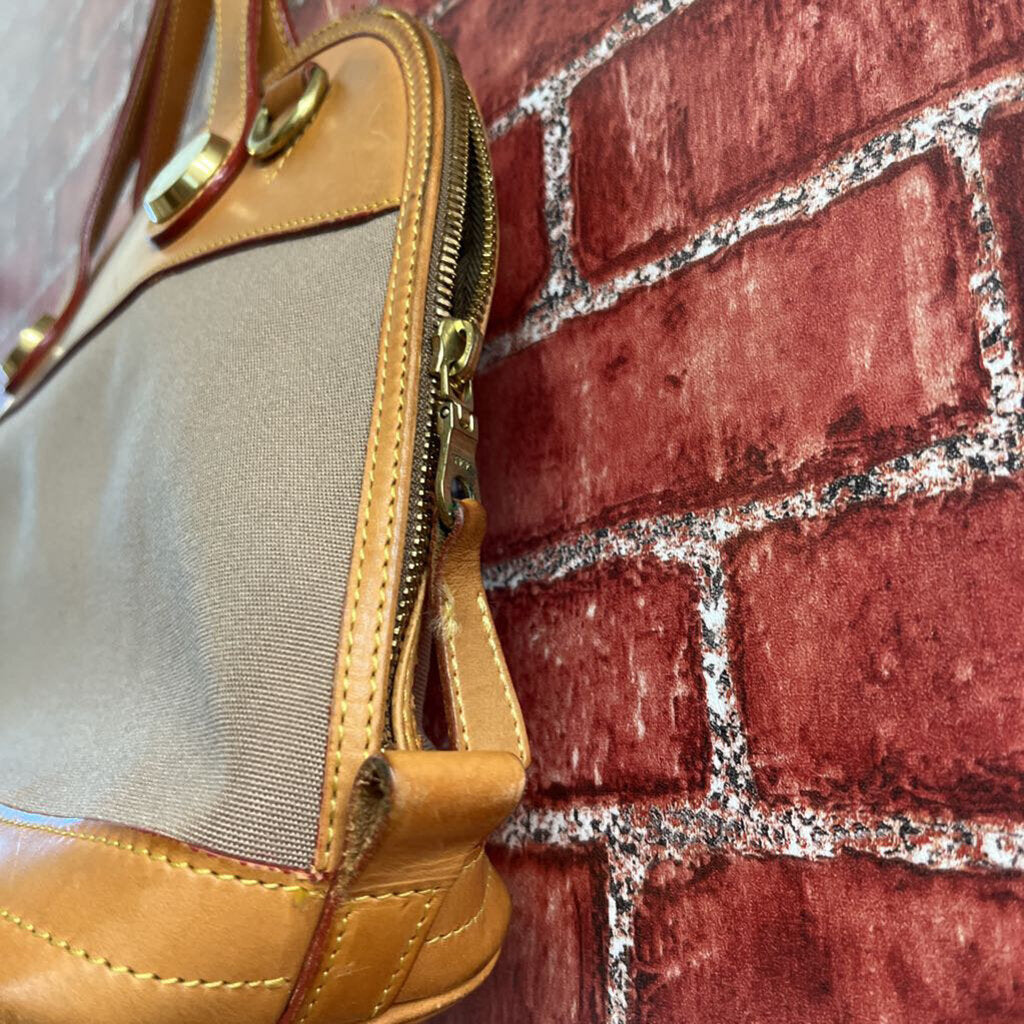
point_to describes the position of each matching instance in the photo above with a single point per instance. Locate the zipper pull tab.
(456, 354)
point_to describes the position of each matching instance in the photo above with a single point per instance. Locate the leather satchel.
(243, 524)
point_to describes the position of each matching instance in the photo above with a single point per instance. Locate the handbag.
(244, 529)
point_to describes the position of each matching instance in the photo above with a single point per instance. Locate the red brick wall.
(751, 415)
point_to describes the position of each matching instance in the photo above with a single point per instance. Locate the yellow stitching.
(275, 13)
(243, 54)
(361, 556)
(394, 895)
(327, 968)
(272, 172)
(473, 862)
(408, 948)
(160, 857)
(400, 417)
(468, 924)
(218, 27)
(298, 222)
(506, 683)
(448, 631)
(341, 931)
(333, 32)
(101, 961)
(397, 448)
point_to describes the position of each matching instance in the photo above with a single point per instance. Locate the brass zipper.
(463, 271)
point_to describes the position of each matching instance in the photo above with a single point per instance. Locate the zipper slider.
(456, 353)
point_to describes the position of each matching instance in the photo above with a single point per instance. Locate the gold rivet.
(28, 340)
(184, 176)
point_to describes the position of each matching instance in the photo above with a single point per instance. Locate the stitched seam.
(275, 13)
(101, 961)
(271, 174)
(337, 31)
(218, 27)
(394, 895)
(468, 924)
(506, 683)
(405, 955)
(325, 973)
(400, 419)
(298, 222)
(378, 424)
(327, 968)
(243, 55)
(162, 858)
(450, 628)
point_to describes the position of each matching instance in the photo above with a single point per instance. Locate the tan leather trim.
(184, 34)
(417, 824)
(357, 137)
(108, 923)
(403, 698)
(483, 710)
(363, 669)
(468, 929)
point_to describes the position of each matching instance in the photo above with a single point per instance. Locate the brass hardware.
(28, 340)
(456, 353)
(269, 135)
(184, 176)
(465, 265)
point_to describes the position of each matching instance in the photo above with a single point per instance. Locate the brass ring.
(270, 135)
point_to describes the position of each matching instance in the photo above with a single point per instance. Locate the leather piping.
(362, 670)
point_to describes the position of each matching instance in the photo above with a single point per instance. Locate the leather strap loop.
(483, 712)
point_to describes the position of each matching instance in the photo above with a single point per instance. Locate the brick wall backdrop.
(752, 411)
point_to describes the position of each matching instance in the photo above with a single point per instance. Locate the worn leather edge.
(417, 824)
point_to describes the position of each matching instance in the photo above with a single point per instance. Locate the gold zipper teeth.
(467, 133)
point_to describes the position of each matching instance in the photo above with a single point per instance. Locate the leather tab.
(483, 711)
(417, 822)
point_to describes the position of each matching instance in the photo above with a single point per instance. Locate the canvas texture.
(184, 496)
(750, 446)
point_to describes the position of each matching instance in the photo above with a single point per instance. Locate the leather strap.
(483, 712)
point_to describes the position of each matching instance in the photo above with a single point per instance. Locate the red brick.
(914, 702)
(552, 968)
(731, 97)
(1002, 143)
(797, 355)
(505, 47)
(523, 257)
(607, 666)
(788, 941)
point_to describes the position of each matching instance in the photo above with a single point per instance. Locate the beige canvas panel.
(176, 548)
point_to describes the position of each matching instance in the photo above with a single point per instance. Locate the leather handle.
(483, 711)
(185, 31)
(252, 36)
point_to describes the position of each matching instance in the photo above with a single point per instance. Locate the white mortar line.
(665, 831)
(993, 450)
(798, 201)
